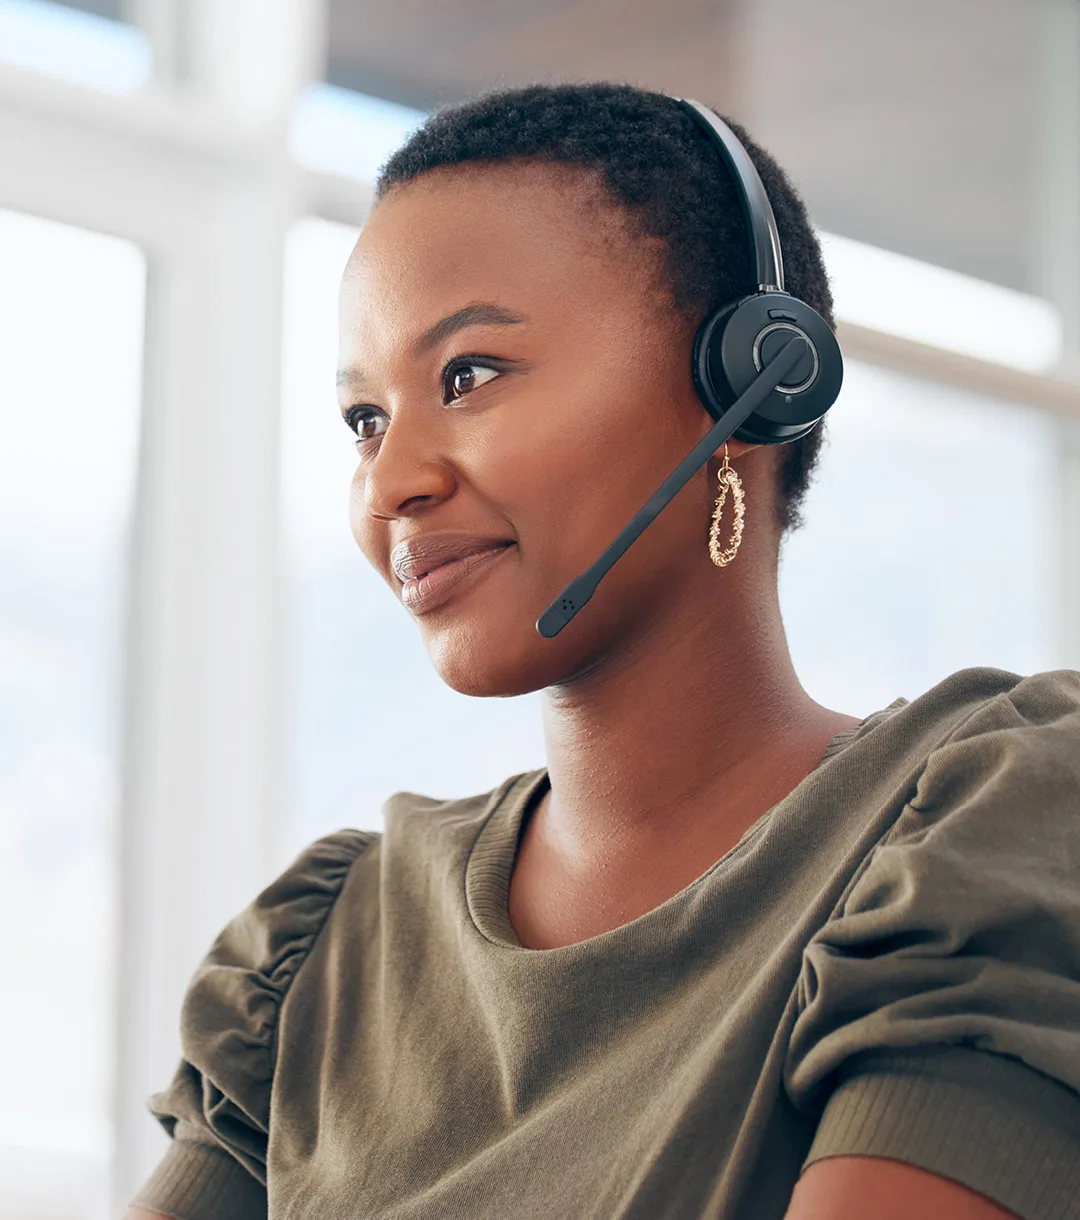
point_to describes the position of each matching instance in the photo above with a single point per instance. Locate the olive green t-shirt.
(887, 964)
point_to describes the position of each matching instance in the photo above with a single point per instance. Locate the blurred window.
(85, 43)
(926, 549)
(338, 131)
(903, 296)
(71, 313)
(929, 542)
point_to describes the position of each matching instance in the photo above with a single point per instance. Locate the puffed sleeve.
(939, 1008)
(217, 1108)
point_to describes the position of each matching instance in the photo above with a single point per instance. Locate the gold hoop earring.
(729, 481)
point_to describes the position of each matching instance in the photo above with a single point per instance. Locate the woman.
(731, 953)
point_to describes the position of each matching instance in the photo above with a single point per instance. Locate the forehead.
(532, 235)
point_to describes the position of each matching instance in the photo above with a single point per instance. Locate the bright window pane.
(349, 134)
(71, 313)
(84, 43)
(368, 714)
(929, 542)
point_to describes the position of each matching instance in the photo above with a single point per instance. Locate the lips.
(425, 593)
(417, 556)
(432, 566)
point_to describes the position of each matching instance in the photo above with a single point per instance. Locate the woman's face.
(521, 385)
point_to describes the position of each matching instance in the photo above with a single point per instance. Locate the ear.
(736, 449)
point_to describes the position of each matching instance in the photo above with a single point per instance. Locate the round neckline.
(490, 862)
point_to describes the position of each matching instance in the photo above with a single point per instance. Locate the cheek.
(610, 431)
(582, 452)
(529, 463)
(370, 535)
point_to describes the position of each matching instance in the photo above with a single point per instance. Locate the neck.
(676, 722)
(681, 743)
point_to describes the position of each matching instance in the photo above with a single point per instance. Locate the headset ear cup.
(733, 344)
(757, 328)
(707, 364)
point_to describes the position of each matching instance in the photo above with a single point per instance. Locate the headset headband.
(760, 221)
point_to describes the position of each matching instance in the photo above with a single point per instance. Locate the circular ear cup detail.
(771, 341)
(734, 344)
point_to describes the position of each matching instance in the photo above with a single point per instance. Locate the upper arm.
(140, 1213)
(854, 1187)
(936, 1023)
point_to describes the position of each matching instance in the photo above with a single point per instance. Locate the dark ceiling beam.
(423, 53)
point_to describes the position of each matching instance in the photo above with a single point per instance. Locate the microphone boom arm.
(580, 590)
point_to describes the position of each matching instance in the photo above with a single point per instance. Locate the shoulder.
(989, 812)
(1029, 729)
(405, 808)
(251, 964)
(426, 825)
(973, 702)
(275, 933)
(1005, 759)
(975, 723)
(271, 934)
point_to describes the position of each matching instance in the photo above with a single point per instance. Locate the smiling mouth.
(442, 563)
(433, 588)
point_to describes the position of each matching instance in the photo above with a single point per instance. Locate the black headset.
(735, 343)
(766, 367)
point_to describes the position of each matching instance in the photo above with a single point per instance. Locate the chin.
(489, 663)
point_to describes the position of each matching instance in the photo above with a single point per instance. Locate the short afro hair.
(662, 169)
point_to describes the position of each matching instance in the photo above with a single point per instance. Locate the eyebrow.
(479, 313)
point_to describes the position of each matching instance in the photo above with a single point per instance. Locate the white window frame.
(197, 171)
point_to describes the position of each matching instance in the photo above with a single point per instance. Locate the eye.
(366, 422)
(460, 378)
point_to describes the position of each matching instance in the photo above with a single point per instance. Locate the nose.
(407, 474)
